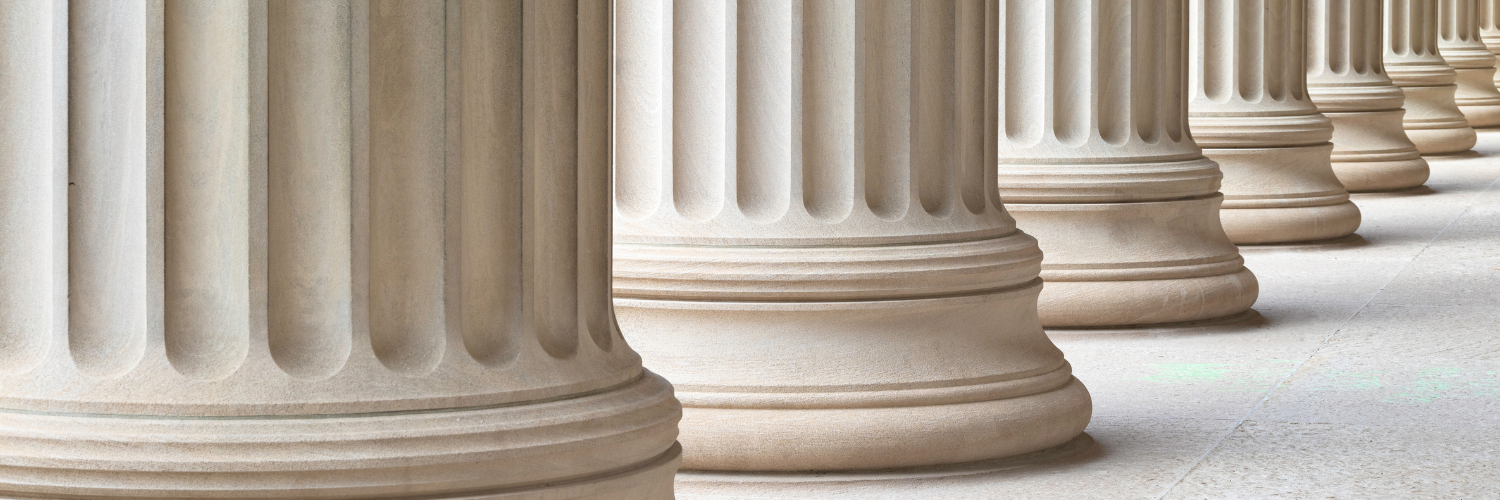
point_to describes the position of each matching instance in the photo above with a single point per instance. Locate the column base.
(617, 443)
(1476, 96)
(1259, 226)
(1283, 195)
(1136, 263)
(890, 484)
(877, 384)
(1484, 116)
(1434, 123)
(1372, 153)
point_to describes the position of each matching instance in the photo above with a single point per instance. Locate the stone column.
(1251, 113)
(1347, 80)
(434, 228)
(1433, 121)
(1489, 28)
(1461, 46)
(1095, 145)
(809, 243)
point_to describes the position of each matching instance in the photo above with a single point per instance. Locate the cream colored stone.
(1461, 46)
(809, 242)
(1433, 121)
(1347, 81)
(1489, 28)
(1250, 112)
(1120, 197)
(435, 229)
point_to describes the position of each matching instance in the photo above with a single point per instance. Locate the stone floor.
(1372, 372)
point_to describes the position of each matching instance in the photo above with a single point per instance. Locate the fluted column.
(809, 242)
(1094, 145)
(1433, 121)
(405, 143)
(1489, 28)
(1346, 79)
(1461, 46)
(1251, 113)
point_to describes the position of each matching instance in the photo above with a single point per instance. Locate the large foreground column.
(1462, 48)
(365, 372)
(1251, 113)
(1433, 121)
(1095, 146)
(809, 243)
(1346, 79)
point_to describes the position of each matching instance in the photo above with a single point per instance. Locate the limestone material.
(809, 243)
(1119, 196)
(404, 293)
(1346, 80)
(1251, 113)
(1433, 121)
(1461, 46)
(1489, 28)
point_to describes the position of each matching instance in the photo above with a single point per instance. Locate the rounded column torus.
(1094, 144)
(426, 228)
(1461, 46)
(809, 243)
(1346, 79)
(1250, 112)
(1433, 121)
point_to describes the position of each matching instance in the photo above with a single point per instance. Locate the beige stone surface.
(1350, 385)
(335, 249)
(1346, 79)
(1251, 113)
(1433, 121)
(1119, 196)
(809, 242)
(1461, 46)
(1489, 28)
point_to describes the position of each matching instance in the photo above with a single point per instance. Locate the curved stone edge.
(1290, 225)
(1375, 176)
(881, 438)
(1443, 141)
(595, 446)
(1075, 304)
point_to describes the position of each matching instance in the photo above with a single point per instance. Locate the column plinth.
(1433, 121)
(1251, 113)
(1077, 172)
(350, 250)
(1460, 43)
(1346, 79)
(809, 242)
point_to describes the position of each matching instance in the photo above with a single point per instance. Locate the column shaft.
(809, 242)
(1251, 113)
(1461, 46)
(1346, 79)
(1433, 121)
(374, 379)
(1078, 171)
(26, 183)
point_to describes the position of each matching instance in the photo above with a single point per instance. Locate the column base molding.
(1434, 123)
(1283, 195)
(1372, 153)
(614, 444)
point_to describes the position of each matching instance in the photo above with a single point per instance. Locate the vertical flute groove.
(207, 191)
(887, 108)
(643, 122)
(1073, 69)
(934, 82)
(700, 141)
(308, 193)
(1112, 97)
(107, 193)
(828, 109)
(1024, 103)
(549, 156)
(491, 163)
(972, 158)
(595, 109)
(763, 173)
(407, 97)
(26, 186)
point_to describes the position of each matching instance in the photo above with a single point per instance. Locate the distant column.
(809, 242)
(1251, 113)
(1094, 144)
(1461, 46)
(1346, 79)
(1433, 121)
